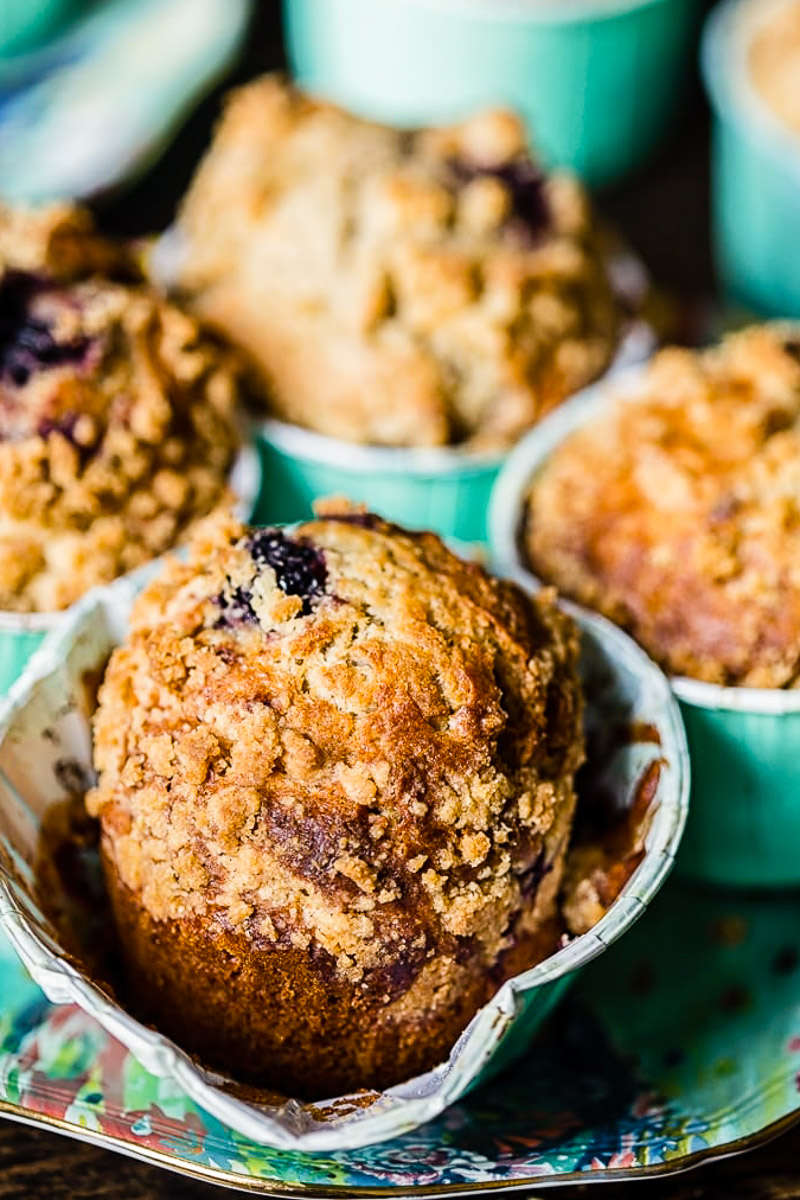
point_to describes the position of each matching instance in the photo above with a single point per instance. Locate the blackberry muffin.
(335, 787)
(408, 288)
(677, 512)
(116, 413)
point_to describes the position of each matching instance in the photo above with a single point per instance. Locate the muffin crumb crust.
(400, 288)
(366, 773)
(677, 514)
(116, 413)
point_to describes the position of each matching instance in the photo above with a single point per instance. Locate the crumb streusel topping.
(116, 413)
(344, 739)
(678, 514)
(402, 288)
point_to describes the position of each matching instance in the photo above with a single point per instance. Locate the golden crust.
(392, 287)
(116, 413)
(374, 778)
(678, 515)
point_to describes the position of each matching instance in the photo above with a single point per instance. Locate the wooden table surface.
(664, 214)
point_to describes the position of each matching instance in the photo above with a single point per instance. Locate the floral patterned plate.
(680, 1044)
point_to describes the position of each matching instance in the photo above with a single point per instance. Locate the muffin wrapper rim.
(536, 12)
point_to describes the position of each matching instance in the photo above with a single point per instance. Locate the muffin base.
(269, 1016)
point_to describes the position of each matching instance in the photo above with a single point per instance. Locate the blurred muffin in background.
(421, 288)
(677, 512)
(116, 413)
(774, 54)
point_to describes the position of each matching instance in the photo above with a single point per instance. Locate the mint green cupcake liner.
(20, 635)
(743, 744)
(744, 817)
(755, 170)
(444, 489)
(27, 24)
(440, 489)
(597, 81)
(46, 718)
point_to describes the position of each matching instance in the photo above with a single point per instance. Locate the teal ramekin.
(443, 488)
(755, 170)
(744, 817)
(597, 81)
(27, 24)
(744, 822)
(20, 635)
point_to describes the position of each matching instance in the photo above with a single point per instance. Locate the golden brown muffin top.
(677, 514)
(116, 413)
(396, 287)
(338, 737)
(774, 61)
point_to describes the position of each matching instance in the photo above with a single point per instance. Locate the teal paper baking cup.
(744, 816)
(20, 635)
(441, 488)
(26, 24)
(755, 170)
(743, 744)
(597, 81)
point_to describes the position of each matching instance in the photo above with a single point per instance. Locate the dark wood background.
(664, 212)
